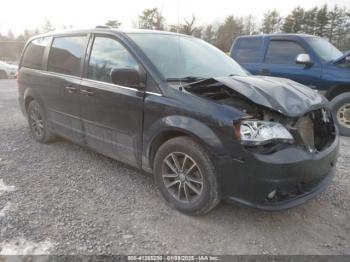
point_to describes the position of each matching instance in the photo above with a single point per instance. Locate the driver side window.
(108, 54)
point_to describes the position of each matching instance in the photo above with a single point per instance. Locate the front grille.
(315, 130)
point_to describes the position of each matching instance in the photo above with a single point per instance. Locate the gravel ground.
(64, 199)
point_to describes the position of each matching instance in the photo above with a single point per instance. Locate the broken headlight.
(256, 132)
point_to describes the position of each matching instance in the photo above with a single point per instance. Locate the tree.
(272, 22)
(209, 34)
(47, 26)
(249, 25)
(189, 27)
(336, 20)
(322, 20)
(10, 35)
(227, 32)
(113, 24)
(151, 19)
(310, 21)
(295, 21)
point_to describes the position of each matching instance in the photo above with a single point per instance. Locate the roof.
(106, 29)
(277, 35)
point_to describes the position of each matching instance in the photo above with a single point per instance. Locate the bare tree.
(189, 27)
(227, 32)
(209, 34)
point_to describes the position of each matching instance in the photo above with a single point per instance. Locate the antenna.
(178, 16)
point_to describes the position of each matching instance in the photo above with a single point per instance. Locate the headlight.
(255, 132)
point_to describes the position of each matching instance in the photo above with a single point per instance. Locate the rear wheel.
(185, 175)
(38, 123)
(341, 113)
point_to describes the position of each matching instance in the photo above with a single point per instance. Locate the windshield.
(324, 49)
(182, 57)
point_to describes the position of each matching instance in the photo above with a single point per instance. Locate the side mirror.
(129, 77)
(303, 59)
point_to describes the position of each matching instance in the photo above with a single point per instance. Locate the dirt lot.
(64, 199)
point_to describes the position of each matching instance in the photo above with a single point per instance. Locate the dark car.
(307, 59)
(179, 108)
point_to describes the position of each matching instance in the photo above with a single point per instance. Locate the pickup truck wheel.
(38, 123)
(3, 75)
(341, 113)
(185, 175)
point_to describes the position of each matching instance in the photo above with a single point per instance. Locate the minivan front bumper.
(280, 180)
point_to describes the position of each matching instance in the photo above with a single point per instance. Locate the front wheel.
(186, 177)
(341, 113)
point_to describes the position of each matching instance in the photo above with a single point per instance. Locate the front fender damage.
(303, 111)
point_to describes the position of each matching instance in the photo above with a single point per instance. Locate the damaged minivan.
(179, 108)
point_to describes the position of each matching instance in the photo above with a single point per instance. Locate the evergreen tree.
(113, 24)
(47, 26)
(322, 20)
(272, 22)
(151, 19)
(310, 21)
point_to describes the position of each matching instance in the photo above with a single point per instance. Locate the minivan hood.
(285, 96)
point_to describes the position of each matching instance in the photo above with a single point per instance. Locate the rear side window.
(33, 55)
(66, 55)
(248, 50)
(108, 54)
(283, 52)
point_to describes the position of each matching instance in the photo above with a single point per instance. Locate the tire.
(3, 75)
(341, 113)
(195, 198)
(38, 123)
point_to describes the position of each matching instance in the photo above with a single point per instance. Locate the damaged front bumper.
(280, 180)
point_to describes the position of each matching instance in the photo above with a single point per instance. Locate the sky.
(18, 15)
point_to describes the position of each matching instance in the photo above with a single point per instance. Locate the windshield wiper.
(187, 79)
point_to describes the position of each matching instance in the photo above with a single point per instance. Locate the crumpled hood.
(285, 96)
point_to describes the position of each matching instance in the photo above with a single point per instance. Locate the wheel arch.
(29, 95)
(337, 90)
(194, 129)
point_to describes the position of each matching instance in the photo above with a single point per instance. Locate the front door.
(112, 114)
(280, 61)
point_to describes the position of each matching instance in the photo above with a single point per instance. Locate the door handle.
(71, 89)
(264, 72)
(87, 92)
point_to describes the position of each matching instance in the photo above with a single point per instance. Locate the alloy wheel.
(36, 120)
(182, 177)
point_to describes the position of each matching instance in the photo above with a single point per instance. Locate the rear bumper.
(293, 174)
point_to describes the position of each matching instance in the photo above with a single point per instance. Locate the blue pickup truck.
(307, 59)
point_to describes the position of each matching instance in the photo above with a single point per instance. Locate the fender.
(337, 90)
(30, 92)
(180, 124)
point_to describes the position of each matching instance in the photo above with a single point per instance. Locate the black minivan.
(179, 108)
